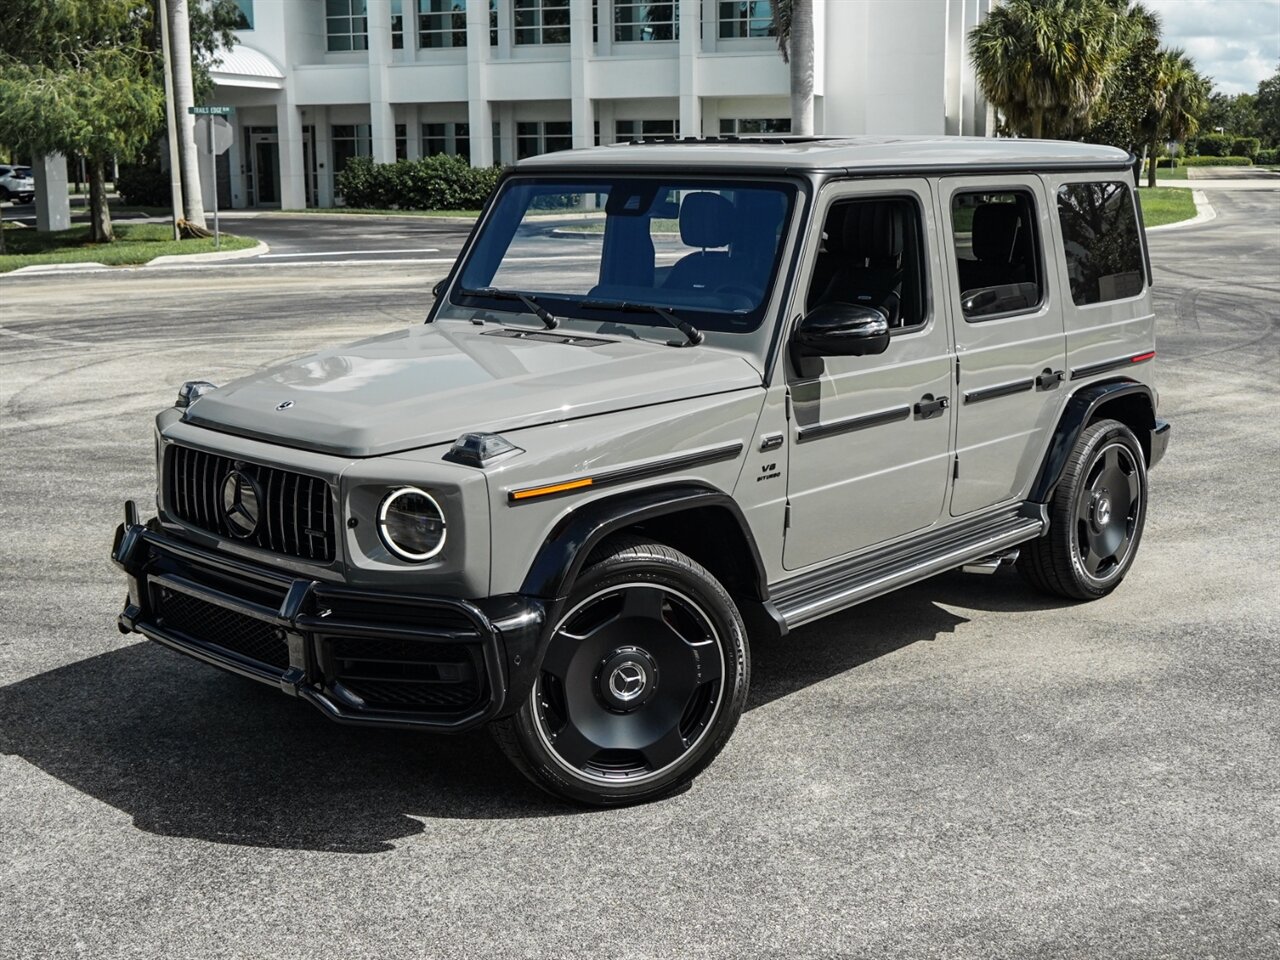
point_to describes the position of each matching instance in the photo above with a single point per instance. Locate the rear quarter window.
(1100, 241)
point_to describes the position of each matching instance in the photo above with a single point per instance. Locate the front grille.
(295, 513)
(209, 623)
(407, 675)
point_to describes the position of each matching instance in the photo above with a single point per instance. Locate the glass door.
(263, 174)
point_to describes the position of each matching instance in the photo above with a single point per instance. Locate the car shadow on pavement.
(187, 751)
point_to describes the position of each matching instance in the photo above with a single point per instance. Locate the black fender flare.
(566, 548)
(1079, 411)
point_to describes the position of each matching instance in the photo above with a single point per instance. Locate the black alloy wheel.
(642, 682)
(1096, 517)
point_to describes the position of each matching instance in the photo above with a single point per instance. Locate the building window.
(447, 138)
(350, 140)
(244, 19)
(636, 21)
(397, 24)
(746, 18)
(442, 23)
(1100, 242)
(493, 23)
(542, 21)
(625, 130)
(535, 137)
(402, 141)
(775, 127)
(345, 25)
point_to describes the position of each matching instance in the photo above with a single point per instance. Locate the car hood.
(433, 382)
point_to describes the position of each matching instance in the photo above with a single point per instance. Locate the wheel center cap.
(627, 678)
(1102, 511)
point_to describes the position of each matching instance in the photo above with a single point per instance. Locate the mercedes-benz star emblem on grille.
(284, 404)
(241, 503)
(628, 681)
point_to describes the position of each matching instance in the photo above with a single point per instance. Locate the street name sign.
(211, 111)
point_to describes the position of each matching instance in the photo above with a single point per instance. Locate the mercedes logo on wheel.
(628, 680)
(241, 503)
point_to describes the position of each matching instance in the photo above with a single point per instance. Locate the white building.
(315, 82)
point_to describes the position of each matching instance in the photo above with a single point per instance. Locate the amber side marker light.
(548, 490)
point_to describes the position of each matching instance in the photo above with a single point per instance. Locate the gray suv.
(670, 396)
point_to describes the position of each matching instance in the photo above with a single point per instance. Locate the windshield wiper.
(693, 335)
(538, 310)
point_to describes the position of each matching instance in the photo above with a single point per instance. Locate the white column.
(324, 156)
(479, 109)
(690, 48)
(53, 204)
(293, 185)
(413, 130)
(381, 117)
(581, 111)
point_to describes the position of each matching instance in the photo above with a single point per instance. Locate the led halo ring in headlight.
(411, 524)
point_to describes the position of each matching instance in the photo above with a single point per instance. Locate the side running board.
(810, 596)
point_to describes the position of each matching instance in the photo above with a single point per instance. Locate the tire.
(1096, 517)
(641, 684)
(4, 194)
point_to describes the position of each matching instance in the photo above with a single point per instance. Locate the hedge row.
(1225, 145)
(1204, 161)
(1269, 158)
(143, 185)
(441, 182)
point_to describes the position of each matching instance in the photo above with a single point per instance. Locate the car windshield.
(598, 249)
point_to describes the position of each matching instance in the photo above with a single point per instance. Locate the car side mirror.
(439, 287)
(839, 330)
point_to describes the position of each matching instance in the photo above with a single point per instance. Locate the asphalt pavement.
(962, 769)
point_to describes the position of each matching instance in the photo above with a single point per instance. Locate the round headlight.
(411, 524)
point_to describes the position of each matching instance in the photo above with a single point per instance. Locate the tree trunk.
(183, 100)
(99, 212)
(1151, 171)
(1, 228)
(1037, 124)
(800, 60)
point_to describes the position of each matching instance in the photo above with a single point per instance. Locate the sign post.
(219, 135)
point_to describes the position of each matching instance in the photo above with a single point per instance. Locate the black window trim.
(1145, 256)
(1037, 237)
(922, 241)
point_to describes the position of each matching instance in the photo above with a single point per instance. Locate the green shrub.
(1268, 158)
(441, 182)
(1214, 145)
(1204, 161)
(1245, 147)
(143, 185)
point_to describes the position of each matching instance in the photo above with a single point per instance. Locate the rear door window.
(997, 253)
(1100, 241)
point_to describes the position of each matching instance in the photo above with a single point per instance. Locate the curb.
(1204, 213)
(297, 214)
(213, 257)
(35, 268)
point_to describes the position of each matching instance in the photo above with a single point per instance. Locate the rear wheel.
(1096, 517)
(642, 683)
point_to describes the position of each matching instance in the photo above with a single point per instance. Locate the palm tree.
(793, 25)
(1180, 95)
(183, 98)
(1044, 63)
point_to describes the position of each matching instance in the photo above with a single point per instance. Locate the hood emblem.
(284, 405)
(241, 503)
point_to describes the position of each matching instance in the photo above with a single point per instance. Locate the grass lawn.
(134, 243)
(1166, 205)
(1177, 173)
(323, 211)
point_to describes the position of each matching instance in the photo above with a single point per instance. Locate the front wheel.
(1095, 519)
(642, 683)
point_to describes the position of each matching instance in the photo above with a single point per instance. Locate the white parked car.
(16, 184)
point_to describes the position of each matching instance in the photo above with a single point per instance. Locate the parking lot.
(963, 769)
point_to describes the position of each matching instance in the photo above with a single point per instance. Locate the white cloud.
(1237, 42)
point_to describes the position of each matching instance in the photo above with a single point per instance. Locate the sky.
(1237, 42)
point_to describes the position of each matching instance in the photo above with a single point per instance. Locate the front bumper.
(360, 656)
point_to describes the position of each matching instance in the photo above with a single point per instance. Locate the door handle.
(928, 406)
(1049, 379)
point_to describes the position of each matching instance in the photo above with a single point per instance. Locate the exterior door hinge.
(786, 404)
(957, 369)
(786, 517)
(955, 469)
